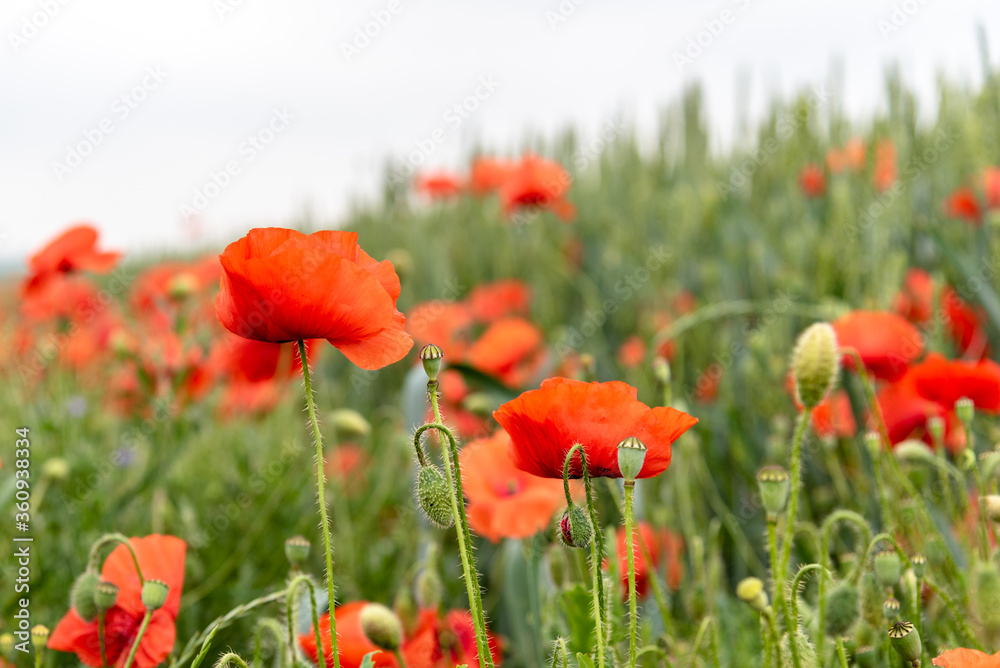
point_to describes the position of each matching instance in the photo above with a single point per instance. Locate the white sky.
(224, 73)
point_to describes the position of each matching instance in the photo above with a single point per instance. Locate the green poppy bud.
(348, 423)
(39, 636)
(631, 455)
(105, 595)
(434, 496)
(965, 410)
(381, 626)
(815, 363)
(751, 591)
(575, 528)
(6, 644)
(842, 609)
(81, 597)
(919, 562)
(661, 370)
(874, 443)
(935, 427)
(807, 653)
(888, 567)
(774, 485)
(428, 588)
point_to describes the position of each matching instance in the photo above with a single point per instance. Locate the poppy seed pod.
(631, 455)
(842, 609)
(815, 363)
(906, 641)
(381, 626)
(913, 451)
(919, 562)
(890, 609)
(105, 595)
(965, 410)
(82, 595)
(434, 497)
(888, 567)
(297, 550)
(431, 357)
(154, 594)
(751, 591)
(865, 656)
(39, 636)
(873, 442)
(774, 485)
(576, 528)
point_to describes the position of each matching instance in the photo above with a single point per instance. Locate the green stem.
(629, 549)
(138, 637)
(205, 637)
(228, 658)
(321, 496)
(290, 616)
(400, 661)
(107, 539)
(841, 653)
(793, 501)
(916, 620)
(961, 625)
(778, 590)
(794, 628)
(984, 530)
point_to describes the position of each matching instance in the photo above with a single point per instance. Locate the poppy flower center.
(509, 488)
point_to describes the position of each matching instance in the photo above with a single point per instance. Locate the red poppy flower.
(444, 324)
(946, 381)
(166, 283)
(884, 174)
(439, 185)
(73, 250)
(489, 174)
(991, 187)
(905, 412)
(967, 658)
(833, 418)
(659, 545)
(538, 182)
(347, 463)
(352, 643)
(160, 558)
(915, 300)
(962, 204)
(247, 360)
(495, 300)
(59, 296)
(632, 352)
(854, 153)
(545, 423)
(965, 324)
(281, 285)
(505, 502)
(451, 639)
(812, 181)
(509, 349)
(836, 160)
(885, 341)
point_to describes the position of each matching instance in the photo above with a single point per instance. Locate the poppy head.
(281, 285)
(73, 250)
(545, 423)
(885, 341)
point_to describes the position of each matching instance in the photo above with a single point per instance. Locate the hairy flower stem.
(138, 637)
(453, 474)
(984, 523)
(293, 587)
(841, 653)
(321, 495)
(793, 501)
(596, 549)
(778, 591)
(630, 550)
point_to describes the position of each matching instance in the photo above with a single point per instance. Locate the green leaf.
(368, 661)
(584, 660)
(576, 604)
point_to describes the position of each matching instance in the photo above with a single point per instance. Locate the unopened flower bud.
(751, 591)
(154, 594)
(661, 370)
(842, 609)
(297, 550)
(349, 424)
(774, 485)
(81, 597)
(935, 427)
(890, 608)
(815, 363)
(991, 505)
(906, 641)
(913, 451)
(434, 496)
(631, 455)
(919, 562)
(431, 356)
(806, 651)
(888, 567)
(405, 607)
(402, 261)
(428, 588)
(381, 626)
(39, 636)
(105, 595)
(576, 528)
(6, 644)
(479, 403)
(965, 410)
(56, 469)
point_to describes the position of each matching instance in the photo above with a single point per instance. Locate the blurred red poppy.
(962, 204)
(505, 502)
(854, 154)
(965, 324)
(905, 412)
(632, 352)
(915, 300)
(886, 342)
(991, 187)
(491, 301)
(489, 174)
(836, 160)
(73, 250)
(281, 285)
(946, 381)
(540, 183)
(160, 558)
(659, 545)
(510, 350)
(966, 658)
(884, 174)
(833, 417)
(439, 185)
(545, 423)
(445, 324)
(812, 181)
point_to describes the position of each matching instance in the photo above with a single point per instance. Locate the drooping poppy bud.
(381, 626)
(82, 595)
(842, 609)
(434, 497)
(576, 528)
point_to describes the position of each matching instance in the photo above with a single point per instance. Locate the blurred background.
(182, 124)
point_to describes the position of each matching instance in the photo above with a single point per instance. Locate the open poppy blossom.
(492, 301)
(281, 285)
(965, 324)
(505, 502)
(946, 381)
(538, 182)
(72, 251)
(545, 423)
(489, 174)
(510, 350)
(967, 658)
(352, 643)
(439, 185)
(812, 181)
(962, 204)
(886, 342)
(160, 558)
(915, 299)
(905, 412)
(884, 173)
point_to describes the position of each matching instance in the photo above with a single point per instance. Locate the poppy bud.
(935, 427)
(919, 562)
(6, 644)
(39, 636)
(890, 609)
(807, 653)
(428, 588)
(182, 285)
(631, 455)
(56, 468)
(888, 567)
(815, 363)
(751, 591)
(431, 356)
(349, 423)
(906, 641)
(575, 528)
(873, 443)
(297, 550)
(842, 609)
(965, 410)
(913, 451)
(966, 460)
(381, 626)
(154, 594)
(434, 497)
(402, 262)
(81, 597)
(661, 370)
(479, 403)
(774, 485)
(105, 595)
